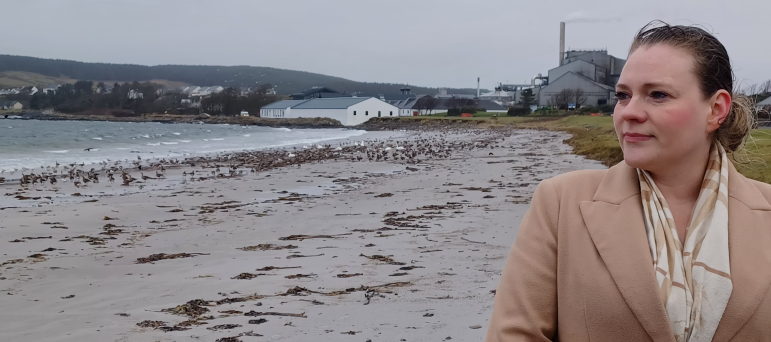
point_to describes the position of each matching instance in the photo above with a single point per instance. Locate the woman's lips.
(635, 137)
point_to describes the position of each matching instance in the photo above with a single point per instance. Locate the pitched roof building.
(349, 111)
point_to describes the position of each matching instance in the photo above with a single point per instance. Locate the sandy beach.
(336, 248)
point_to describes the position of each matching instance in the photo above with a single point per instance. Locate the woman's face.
(661, 117)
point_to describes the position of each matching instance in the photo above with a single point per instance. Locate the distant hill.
(286, 81)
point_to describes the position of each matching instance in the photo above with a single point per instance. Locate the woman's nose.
(633, 110)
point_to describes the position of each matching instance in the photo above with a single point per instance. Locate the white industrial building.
(350, 111)
(594, 93)
(278, 109)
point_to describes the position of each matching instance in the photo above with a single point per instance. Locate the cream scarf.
(694, 279)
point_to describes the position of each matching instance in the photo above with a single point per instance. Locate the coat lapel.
(614, 219)
(749, 238)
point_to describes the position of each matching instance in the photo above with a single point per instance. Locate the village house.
(134, 94)
(51, 88)
(206, 91)
(11, 105)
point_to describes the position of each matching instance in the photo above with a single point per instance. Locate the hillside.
(12, 79)
(286, 81)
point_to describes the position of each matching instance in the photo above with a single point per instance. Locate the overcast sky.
(421, 42)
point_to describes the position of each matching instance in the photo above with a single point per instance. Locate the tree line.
(135, 98)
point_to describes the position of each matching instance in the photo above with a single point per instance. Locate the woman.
(672, 244)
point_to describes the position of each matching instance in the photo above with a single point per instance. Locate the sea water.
(28, 144)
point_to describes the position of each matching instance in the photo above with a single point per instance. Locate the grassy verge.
(758, 155)
(595, 138)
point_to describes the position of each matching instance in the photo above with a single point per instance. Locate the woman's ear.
(719, 109)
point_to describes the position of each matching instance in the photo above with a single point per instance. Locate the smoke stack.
(477, 87)
(562, 42)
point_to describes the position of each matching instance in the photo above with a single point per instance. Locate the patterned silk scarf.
(694, 278)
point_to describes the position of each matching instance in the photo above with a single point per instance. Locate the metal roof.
(766, 102)
(603, 86)
(316, 90)
(330, 103)
(283, 104)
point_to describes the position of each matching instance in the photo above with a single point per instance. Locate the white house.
(133, 94)
(189, 89)
(10, 105)
(51, 88)
(350, 111)
(206, 91)
(33, 90)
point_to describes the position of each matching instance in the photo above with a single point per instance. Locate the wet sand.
(335, 250)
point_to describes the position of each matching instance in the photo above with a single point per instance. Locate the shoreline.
(190, 119)
(385, 249)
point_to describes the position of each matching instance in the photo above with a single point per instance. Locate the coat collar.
(614, 218)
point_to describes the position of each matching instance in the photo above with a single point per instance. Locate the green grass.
(758, 156)
(595, 138)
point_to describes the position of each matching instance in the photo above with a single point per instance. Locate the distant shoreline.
(189, 119)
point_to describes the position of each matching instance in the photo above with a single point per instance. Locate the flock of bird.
(229, 165)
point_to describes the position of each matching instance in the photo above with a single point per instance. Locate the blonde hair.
(713, 69)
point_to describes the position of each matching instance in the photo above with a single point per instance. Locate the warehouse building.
(350, 111)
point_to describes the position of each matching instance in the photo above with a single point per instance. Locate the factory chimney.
(562, 42)
(477, 87)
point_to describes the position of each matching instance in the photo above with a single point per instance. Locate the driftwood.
(305, 237)
(465, 239)
(163, 256)
(255, 313)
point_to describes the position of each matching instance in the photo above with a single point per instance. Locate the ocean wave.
(169, 142)
(176, 133)
(185, 141)
(96, 138)
(154, 144)
(217, 139)
(59, 151)
(283, 129)
(247, 135)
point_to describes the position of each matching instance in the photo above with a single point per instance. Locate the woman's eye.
(659, 95)
(621, 96)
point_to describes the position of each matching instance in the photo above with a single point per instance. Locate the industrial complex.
(580, 78)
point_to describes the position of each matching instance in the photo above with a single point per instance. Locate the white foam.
(218, 139)
(176, 133)
(59, 151)
(96, 138)
(154, 144)
(185, 141)
(247, 135)
(169, 142)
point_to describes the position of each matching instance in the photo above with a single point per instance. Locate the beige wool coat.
(581, 269)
